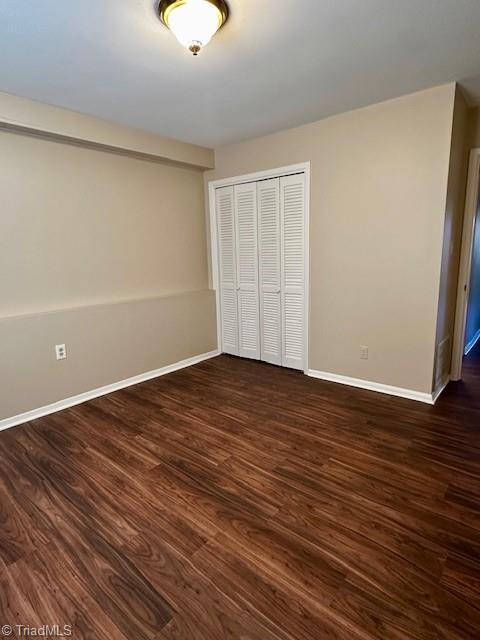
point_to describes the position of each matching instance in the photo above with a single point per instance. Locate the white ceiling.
(275, 64)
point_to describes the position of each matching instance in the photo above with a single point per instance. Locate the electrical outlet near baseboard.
(60, 351)
(363, 353)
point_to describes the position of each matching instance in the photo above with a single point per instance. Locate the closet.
(262, 269)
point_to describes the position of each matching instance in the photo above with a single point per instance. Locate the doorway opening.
(466, 347)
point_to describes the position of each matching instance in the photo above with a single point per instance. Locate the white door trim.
(465, 264)
(303, 167)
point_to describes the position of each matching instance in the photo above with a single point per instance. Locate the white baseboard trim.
(410, 394)
(472, 343)
(14, 421)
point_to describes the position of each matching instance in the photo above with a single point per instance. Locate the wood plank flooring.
(239, 500)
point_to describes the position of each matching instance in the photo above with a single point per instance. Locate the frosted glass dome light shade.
(193, 22)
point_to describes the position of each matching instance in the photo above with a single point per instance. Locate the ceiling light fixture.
(193, 22)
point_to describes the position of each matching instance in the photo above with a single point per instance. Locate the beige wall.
(84, 227)
(105, 344)
(378, 194)
(107, 253)
(104, 252)
(452, 239)
(42, 119)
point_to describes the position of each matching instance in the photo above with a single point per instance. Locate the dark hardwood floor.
(240, 500)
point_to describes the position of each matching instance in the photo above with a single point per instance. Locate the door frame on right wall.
(303, 167)
(466, 255)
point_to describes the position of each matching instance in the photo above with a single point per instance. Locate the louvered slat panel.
(227, 259)
(293, 214)
(245, 198)
(248, 309)
(292, 206)
(269, 260)
(271, 327)
(293, 342)
(269, 226)
(247, 235)
(229, 321)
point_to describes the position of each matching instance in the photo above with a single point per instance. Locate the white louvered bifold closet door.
(227, 268)
(245, 198)
(292, 220)
(268, 205)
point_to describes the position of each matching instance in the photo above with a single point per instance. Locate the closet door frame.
(304, 168)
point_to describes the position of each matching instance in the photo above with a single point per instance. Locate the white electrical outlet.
(60, 351)
(363, 353)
